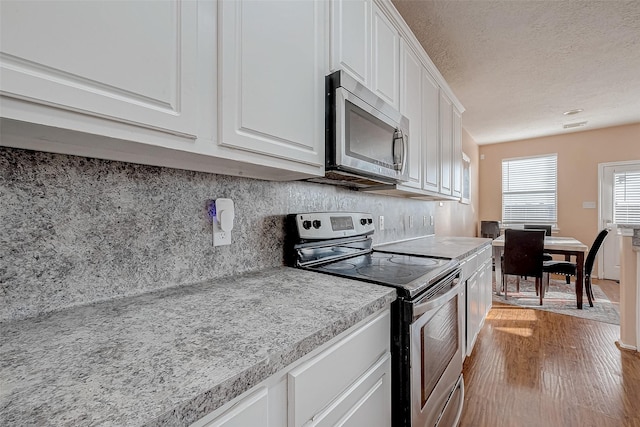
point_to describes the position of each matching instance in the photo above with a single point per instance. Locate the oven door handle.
(425, 304)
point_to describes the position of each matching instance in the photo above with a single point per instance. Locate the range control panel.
(331, 225)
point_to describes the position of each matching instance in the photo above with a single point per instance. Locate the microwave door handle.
(405, 150)
(399, 150)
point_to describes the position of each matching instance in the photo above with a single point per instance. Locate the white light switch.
(589, 205)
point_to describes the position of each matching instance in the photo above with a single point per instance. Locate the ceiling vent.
(574, 125)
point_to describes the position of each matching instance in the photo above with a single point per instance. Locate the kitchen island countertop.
(171, 357)
(439, 247)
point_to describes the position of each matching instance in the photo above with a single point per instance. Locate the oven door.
(367, 141)
(436, 352)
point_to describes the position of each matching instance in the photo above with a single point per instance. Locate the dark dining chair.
(546, 228)
(547, 231)
(567, 268)
(489, 229)
(523, 251)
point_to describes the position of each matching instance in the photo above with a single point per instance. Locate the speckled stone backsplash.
(75, 230)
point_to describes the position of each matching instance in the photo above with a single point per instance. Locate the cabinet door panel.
(272, 78)
(386, 57)
(446, 144)
(351, 38)
(133, 62)
(367, 403)
(315, 384)
(411, 107)
(251, 411)
(457, 154)
(430, 132)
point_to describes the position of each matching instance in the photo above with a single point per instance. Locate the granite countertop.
(173, 356)
(441, 247)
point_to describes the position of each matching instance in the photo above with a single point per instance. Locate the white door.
(615, 206)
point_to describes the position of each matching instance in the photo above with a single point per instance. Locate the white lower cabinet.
(477, 275)
(347, 382)
(252, 410)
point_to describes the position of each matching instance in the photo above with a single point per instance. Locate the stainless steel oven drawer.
(450, 416)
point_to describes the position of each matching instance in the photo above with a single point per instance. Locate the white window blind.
(529, 190)
(626, 198)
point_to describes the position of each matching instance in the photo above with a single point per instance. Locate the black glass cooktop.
(412, 275)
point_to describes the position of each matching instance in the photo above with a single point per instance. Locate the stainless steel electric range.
(426, 335)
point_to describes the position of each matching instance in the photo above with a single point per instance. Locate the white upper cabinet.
(103, 59)
(271, 73)
(411, 107)
(351, 38)
(446, 144)
(456, 178)
(430, 133)
(366, 44)
(229, 87)
(386, 58)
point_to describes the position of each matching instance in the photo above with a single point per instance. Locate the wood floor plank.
(535, 368)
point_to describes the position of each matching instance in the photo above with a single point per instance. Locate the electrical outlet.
(381, 223)
(221, 238)
(410, 221)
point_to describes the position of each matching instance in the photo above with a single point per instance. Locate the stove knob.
(370, 220)
(363, 221)
(316, 224)
(306, 224)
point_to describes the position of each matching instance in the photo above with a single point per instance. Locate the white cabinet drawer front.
(469, 266)
(367, 403)
(272, 66)
(485, 254)
(318, 382)
(251, 411)
(133, 62)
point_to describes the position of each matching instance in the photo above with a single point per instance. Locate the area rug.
(561, 298)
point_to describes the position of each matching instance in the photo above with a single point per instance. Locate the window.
(626, 198)
(529, 187)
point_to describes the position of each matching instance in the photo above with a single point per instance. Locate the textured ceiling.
(517, 65)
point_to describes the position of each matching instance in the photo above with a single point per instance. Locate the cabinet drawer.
(250, 411)
(469, 266)
(366, 403)
(315, 384)
(484, 255)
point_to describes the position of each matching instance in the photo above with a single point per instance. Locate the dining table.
(567, 246)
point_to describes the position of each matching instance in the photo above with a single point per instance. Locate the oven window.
(369, 138)
(439, 343)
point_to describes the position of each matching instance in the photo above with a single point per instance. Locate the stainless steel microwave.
(366, 139)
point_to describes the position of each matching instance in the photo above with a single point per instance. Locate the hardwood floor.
(533, 368)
